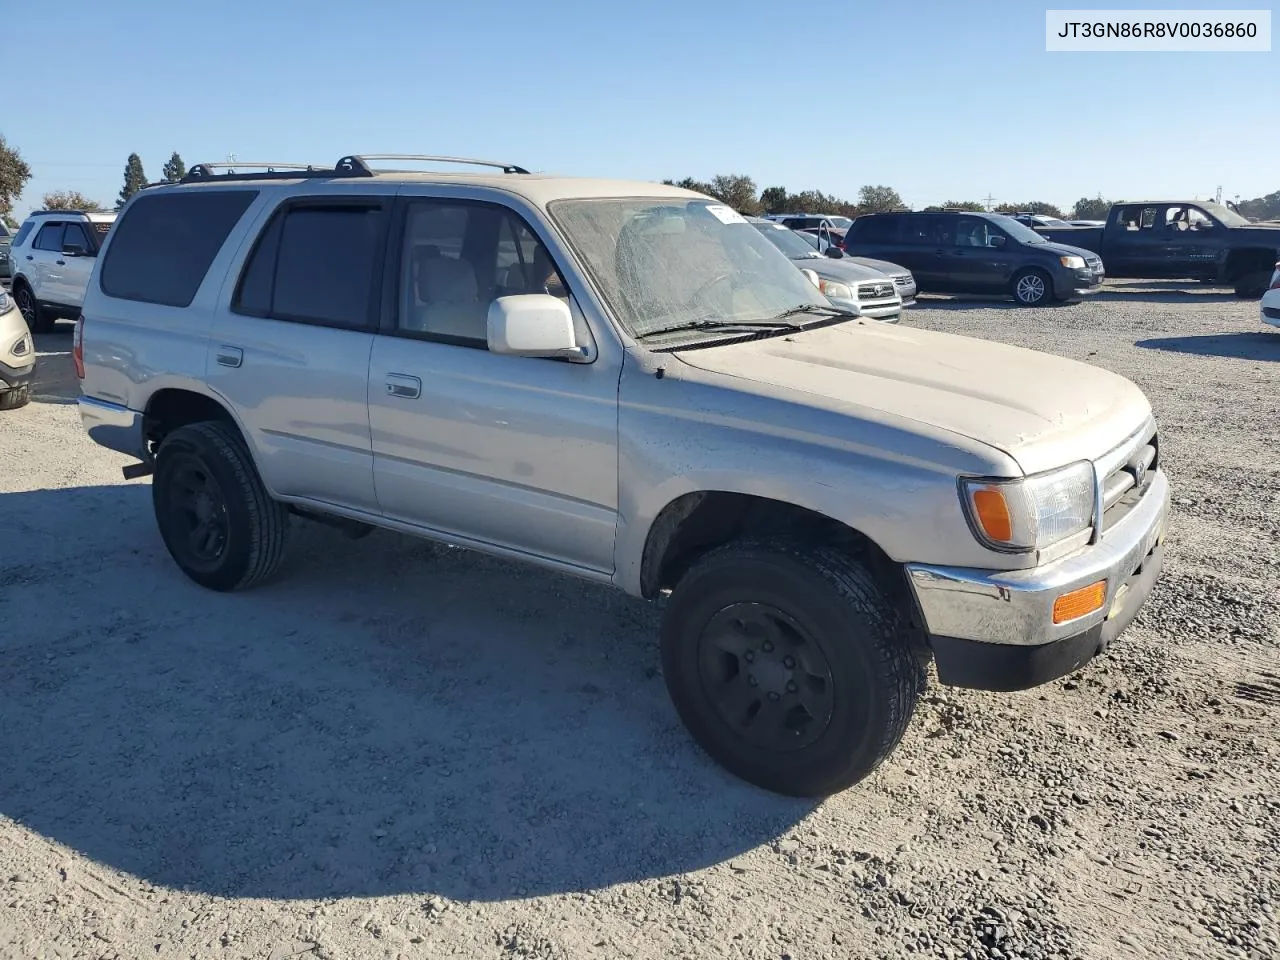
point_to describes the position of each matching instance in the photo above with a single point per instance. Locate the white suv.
(628, 383)
(50, 260)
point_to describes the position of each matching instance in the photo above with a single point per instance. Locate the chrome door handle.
(230, 356)
(402, 385)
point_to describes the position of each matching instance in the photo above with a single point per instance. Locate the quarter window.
(163, 247)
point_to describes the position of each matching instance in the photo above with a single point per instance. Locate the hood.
(842, 270)
(1043, 411)
(1054, 248)
(1264, 231)
(882, 266)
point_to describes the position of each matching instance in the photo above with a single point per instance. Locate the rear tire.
(789, 665)
(215, 516)
(16, 397)
(1254, 284)
(38, 319)
(1033, 288)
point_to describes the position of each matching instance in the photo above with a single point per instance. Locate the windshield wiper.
(709, 323)
(800, 308)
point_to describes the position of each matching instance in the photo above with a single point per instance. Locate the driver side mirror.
(996, 242)
(73, 250)
(532, 325)
(834, 252)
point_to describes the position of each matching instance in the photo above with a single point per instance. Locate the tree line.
(15, 172)
(736, 190)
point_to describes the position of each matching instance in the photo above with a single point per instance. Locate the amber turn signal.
(992, 512)
(1078, 603)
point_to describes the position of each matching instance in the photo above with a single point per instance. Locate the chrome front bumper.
(113, 426)
(1015, 607)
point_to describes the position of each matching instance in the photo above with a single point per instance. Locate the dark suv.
(977, 253)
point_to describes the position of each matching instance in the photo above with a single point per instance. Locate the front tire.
(15, 397)
(1253, 285)
(215, 516)
(789, 665)
(1033, 288)
(38, 319)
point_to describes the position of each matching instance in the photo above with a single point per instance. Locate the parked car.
(903, 281)
(860, 289)
(17, 356)
(623, 382)
(961, 252)
(52, 257)
(1034, 220)
(806, 221)
(1181, 240)
(6, 240)
(1271, 300)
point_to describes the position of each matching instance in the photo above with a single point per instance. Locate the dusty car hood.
(1042, 410)
(883, 266)
(842, 271)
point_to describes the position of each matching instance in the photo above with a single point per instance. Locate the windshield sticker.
(725, 214)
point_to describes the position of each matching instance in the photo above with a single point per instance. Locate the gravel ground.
(402, 750)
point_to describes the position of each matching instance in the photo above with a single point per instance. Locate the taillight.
(77, 349)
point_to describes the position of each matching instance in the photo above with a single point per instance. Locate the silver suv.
(51, 260)
(626, 382)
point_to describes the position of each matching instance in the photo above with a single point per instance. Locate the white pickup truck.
(626, 382)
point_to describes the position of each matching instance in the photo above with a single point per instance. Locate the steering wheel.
(718, 278)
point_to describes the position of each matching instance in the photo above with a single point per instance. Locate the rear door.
(291, 350)
(1135, 242)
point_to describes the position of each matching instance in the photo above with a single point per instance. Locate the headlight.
(1072, 263)
(5, 302)
(833, 288)
(1030, 513)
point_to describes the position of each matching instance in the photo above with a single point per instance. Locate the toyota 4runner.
(626, 382)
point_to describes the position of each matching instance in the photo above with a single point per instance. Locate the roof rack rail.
(363, 159)
(231, 170)
(41, 213)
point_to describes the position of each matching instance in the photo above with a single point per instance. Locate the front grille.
(1129, 470)
(879, 290)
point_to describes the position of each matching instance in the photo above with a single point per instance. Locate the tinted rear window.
(316, 263)
(162, 248)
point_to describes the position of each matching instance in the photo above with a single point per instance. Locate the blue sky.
(941, 100)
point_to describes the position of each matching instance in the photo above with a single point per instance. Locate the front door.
(43, 256)
(1189, 247)
(72, 272)
(515, 452)
(979, 260)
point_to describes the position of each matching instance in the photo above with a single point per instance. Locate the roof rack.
(353, 165)
(63, 213)
(364, 159)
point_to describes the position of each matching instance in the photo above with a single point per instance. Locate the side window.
(457, 258)
(1138, 218)
(973, 232)
(50, 237)
(316, 262)
(877, 229)
(922, 232)
(75, 236)
(24, 231)
(163, 247)
(1183, 217)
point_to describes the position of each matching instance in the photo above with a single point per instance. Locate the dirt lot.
(401, 750)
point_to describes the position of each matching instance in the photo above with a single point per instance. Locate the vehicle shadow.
(55, 380)
(1192, 294)
(388, 717)
(1255, 345)
(964, 301)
